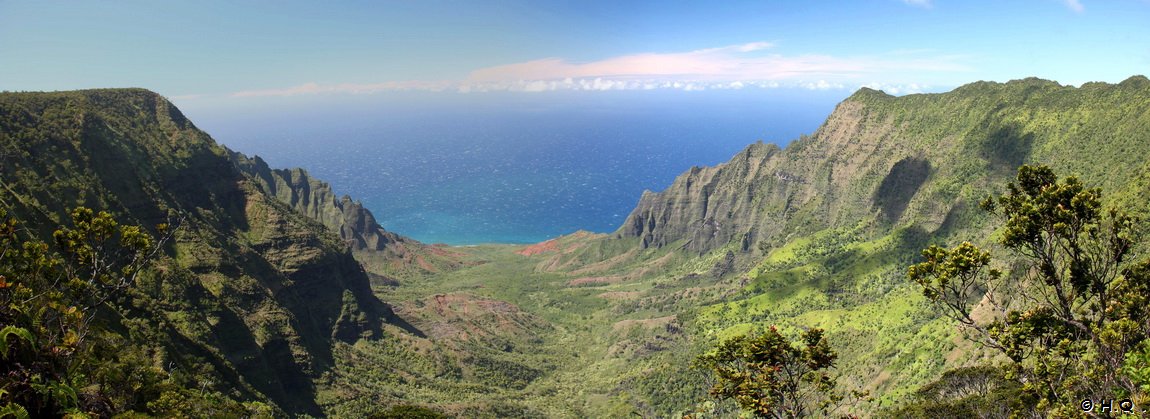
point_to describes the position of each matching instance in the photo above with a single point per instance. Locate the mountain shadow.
(899, 186)
(1005, 147)
(250, 294)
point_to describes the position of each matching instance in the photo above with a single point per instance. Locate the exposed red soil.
(542, 247)
(564, 244)
(463, 317)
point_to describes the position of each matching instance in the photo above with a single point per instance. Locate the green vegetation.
(1072, 317)
(770, 377)
(408, 412)
(255, 306)
(980, 391)
(61, 353)
(245, 299)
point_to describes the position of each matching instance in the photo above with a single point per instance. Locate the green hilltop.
(249, 295)
(274, 288)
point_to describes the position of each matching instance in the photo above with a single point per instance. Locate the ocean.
(511, 167)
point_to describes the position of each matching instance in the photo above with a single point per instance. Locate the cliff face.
(763, 190)
(382, 253)
(709, 207)
(315, 199)
(912, 160)
(250, 291)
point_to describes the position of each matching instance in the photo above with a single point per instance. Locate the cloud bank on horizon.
(296, 48)
(749, 65)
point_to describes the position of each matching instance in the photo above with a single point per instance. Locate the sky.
(210, 53)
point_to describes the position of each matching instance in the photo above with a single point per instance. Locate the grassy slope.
(577, 345)
(622, 325)
(593, 326)
(249, 294)
(850, 278)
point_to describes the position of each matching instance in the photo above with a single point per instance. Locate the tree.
(1074, 309)
(770, 377)
(49, 301)
(974, 392)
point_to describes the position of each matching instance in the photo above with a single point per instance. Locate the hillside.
(820, 233)
(384, 254)
(909, 160)
(817, 234)
(249, 296)
(273, 286)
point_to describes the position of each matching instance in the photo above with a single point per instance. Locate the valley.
(616, 340)
(277, 292)
(626, 316)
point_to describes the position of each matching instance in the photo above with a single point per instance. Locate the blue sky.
(216, 51)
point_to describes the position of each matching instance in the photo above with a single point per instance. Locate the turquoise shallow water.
(520, 170)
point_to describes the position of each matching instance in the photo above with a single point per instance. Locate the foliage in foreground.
(60, 356)
(1073, 317)
(769, 376)
(979, 391)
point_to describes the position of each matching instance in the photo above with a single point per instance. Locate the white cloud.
(729, 67)
(735, 62)
(747, 62)
(607, 84)
(898, 89)
(821, 85)
(600, 84)
(1074, 5)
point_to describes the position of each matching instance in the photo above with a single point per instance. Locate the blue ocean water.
(517, 168)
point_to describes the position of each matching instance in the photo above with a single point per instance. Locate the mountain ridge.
(849, 168)
(385, 255)
(268, 284)
(248, 288)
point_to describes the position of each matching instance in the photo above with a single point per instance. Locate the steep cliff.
(916, 159)
(382, 253)
(251, 293)
(316, 200)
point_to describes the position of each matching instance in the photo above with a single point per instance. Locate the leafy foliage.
(49, 302)
(980, 391)
(1077, 310)
(227, 302)
(769, 376)
(830, 262)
